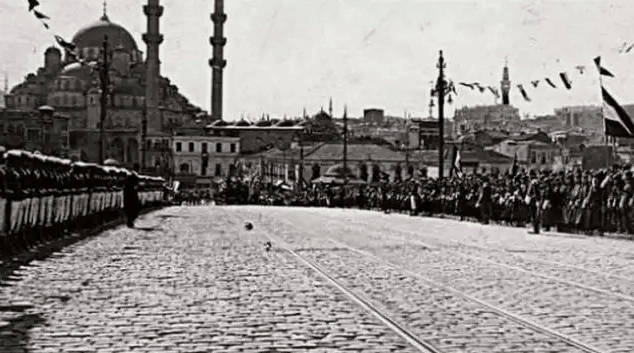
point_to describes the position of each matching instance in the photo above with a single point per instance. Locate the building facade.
(530, 154)
(69, 84)
(205, 157)
(46, 131)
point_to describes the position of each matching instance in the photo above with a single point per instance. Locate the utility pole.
(440, 91)
(345, 143)
(104, 80)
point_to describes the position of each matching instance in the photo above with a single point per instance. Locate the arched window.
(73, 101)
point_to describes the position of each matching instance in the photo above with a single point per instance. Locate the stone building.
(69, 85)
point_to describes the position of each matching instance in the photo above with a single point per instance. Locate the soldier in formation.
(44, 197)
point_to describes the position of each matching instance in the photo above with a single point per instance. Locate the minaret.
(217, 62)
(505, 84)
(153, 38)
(330, 108)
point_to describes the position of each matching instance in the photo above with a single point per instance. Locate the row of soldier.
(591, 202)
(44, 197)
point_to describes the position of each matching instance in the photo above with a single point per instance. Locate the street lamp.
(102, 70)
(443, 88)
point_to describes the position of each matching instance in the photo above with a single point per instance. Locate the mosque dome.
(92, 35)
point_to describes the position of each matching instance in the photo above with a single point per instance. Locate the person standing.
(131, 197)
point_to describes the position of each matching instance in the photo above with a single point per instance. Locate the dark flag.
(602, 70)
(565, 80)
(550, 82)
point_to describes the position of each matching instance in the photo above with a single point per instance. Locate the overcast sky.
(284, 55)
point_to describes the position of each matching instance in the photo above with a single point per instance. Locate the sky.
(287, 55)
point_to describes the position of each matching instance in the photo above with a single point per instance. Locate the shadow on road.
(168, 216)
(10, 265)
(14, 331)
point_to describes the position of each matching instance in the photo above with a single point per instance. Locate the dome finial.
(105, 11)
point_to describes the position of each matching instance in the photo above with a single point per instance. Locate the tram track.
(594, 281)
(482, 325)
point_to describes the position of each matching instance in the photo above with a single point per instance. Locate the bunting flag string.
(564, 77)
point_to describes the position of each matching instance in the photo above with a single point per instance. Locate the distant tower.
(217, 62)
(330, 107)
(505, 84)
(153, 38)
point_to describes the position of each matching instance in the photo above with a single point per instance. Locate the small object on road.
(85, 282)
(267, 246)
(248, 225)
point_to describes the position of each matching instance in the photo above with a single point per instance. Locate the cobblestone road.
(191, 279)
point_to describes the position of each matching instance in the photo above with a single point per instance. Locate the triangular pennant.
(68, 46)
(480, 87)
(565, 80)
(550, 82)
(535, 83)
(40, 16)
(33, 4)
(602, 71)
(629, 48)
(523, 92)
(494, 91)
(581, 69)
(470, 85)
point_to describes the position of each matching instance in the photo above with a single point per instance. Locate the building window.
(543, 158)
(191, 147)
(233, 148)
(203, 147)
(219, 147)
(179, 147)
(73, 100)
(203, 169)
(218, 171)
(184, 168)
(33, 135)
(533, 158)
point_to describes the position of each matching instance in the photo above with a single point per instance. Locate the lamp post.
(442, 89)
(104, 81)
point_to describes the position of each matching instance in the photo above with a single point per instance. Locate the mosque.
(72, 90)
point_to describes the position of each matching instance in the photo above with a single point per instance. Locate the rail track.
(509, 332)
(458, 249)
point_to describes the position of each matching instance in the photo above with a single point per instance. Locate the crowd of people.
(44, 197)
(577, 201)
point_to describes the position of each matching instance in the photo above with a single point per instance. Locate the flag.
(550, 82)
(581, 69)
(494, 91)
(515, 167)
(67, 46)
(617, 122)
(535, 83)
(565, 80)
(456, 162)
(470, 85)
(629, 48)
(523, 92)
(479, 87)
(602, 71)
(33, 4)
(40, 16)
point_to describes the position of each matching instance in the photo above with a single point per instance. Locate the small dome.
(53, 50)
(77, 70)
(92, 36)
(242, 123)
(219, 123)
(338, 171)
(285, 123)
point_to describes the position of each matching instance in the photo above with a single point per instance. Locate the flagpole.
(345, 143)
(605, 126)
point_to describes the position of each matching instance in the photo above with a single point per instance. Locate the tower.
(505, 84)
(330, 108)
(217, 62)
(153, 39)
